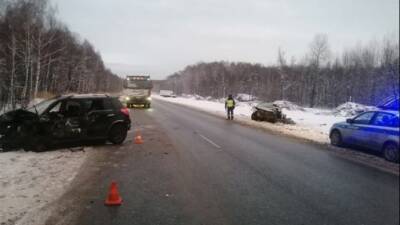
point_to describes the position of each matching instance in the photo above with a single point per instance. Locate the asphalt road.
(194, 168)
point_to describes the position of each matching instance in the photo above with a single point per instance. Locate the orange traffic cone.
(113, 197)
(138, 138)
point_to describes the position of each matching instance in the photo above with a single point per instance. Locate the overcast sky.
(159, 37)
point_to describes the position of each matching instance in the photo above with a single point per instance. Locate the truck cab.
(138, 91)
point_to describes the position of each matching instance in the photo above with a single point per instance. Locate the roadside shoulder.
(32, 182)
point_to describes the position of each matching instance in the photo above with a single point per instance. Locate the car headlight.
(149, 98)
(127, 98)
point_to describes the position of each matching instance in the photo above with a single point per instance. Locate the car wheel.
(117, 134)
(254, 116)
(336, 138)
(391, 152)
(272, 120)
(40, 147)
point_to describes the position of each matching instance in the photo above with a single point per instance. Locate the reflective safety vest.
(229, 103)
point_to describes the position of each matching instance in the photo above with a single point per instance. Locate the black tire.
(254, 116)
(336, 138)
(391, 152)
(40, 147)
(117, 134)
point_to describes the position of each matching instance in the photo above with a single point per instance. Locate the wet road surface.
(194, 168)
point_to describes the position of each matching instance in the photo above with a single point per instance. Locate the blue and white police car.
(377, 130)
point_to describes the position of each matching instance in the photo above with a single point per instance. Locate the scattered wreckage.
(270, 112)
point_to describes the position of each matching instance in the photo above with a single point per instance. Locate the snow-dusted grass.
(29, 181)
(311, 123)
(6, 108)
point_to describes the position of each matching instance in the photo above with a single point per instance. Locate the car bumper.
(138, 101)
(6, 143)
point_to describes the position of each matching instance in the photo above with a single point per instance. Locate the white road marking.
(209, 141)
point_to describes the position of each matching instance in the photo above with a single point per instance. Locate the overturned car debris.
(270, 112)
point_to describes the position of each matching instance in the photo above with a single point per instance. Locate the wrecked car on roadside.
(269, 112)
(64, 119)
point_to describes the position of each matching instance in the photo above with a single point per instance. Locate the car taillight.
(125, 111)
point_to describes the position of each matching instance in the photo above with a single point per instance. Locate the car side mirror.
(350, 121)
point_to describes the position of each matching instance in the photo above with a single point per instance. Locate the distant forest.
(39, 55)
(364, 74)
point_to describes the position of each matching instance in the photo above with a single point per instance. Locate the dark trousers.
(229, 111)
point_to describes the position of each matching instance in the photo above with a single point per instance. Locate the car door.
(51, 121)
(62, 121)
(99, 115)
(71, 124)
(382, 126)
(359, 129)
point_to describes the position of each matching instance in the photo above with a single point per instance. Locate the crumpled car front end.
(14, 127)
(6, 132)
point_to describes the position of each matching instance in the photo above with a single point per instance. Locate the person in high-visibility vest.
(230, 106)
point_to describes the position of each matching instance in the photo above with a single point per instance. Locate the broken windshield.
(41, 107)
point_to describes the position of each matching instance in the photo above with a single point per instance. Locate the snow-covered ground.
(29, 181)
(311, 123)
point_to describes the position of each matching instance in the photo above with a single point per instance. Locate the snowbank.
(217, 106)
(288, 105)
(311, 123)
(29, 181)
(245, 97)
(314, 123)
(350, 109)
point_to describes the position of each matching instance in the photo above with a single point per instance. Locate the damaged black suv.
(63, 119)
